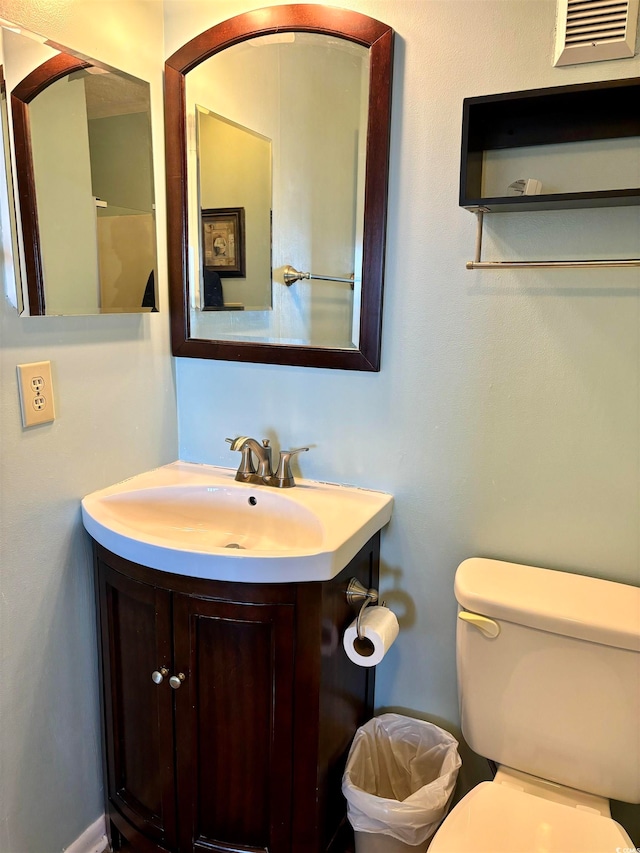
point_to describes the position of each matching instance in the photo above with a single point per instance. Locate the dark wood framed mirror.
(370, 151)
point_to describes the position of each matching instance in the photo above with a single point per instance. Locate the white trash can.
(399, 782)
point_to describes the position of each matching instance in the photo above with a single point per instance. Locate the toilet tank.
(557, 692)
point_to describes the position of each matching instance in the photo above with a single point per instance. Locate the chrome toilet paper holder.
(359, 596)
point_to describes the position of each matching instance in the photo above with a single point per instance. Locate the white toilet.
(549, 687)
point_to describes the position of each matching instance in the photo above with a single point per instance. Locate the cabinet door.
(234, 724)
(135, 626)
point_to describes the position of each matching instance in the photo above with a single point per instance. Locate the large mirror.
(277, 144)
(78, 137)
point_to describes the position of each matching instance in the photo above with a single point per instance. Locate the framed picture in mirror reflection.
(223, 241)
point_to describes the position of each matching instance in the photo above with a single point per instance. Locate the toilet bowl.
(549, 687)
(497, 818)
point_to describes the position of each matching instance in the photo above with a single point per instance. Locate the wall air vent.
(593, 30)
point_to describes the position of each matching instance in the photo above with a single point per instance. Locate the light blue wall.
(505, 420)
(506, 417)
(115, 407)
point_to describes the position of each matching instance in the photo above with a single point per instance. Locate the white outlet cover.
(36, 393)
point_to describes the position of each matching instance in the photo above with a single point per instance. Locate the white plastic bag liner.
(400, 777)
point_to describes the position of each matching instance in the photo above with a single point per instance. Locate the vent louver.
(593, 30)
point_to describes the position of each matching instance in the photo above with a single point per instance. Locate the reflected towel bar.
(291, 275)
(478, 264)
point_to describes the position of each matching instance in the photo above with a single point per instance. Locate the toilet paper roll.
(380, 628)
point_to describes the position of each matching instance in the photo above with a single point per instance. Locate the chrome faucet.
(264, 475)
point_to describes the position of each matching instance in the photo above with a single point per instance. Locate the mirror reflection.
(304, 97)
(8, 226)
(81, 146)
(234, 188)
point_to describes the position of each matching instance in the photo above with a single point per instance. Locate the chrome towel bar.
(478, 264)
(291, 275)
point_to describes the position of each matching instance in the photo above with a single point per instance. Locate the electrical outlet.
(36, 393)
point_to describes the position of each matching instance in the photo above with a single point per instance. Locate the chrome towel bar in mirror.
(291, 275)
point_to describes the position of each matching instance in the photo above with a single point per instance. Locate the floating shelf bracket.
(478, 264)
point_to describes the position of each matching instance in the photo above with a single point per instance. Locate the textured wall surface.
(505, 420)
(116, 416)
(506, 416)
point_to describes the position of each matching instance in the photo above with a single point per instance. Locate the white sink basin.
(197, 520)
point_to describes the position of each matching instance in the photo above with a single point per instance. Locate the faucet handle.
(283, 475)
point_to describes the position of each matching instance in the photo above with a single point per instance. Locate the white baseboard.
(92, 840)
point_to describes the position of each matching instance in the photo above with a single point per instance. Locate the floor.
(344, 843)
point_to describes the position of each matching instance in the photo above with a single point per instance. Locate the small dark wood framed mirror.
(342, 283)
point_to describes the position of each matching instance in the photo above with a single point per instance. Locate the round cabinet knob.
(176, 680)
(158, 676)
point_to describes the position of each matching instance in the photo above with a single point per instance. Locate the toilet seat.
(495, 818)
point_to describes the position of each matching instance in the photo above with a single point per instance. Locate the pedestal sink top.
(197, 520)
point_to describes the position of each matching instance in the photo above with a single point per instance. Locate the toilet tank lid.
(559, 602)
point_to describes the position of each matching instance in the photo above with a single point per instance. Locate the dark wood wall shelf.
(559, 115)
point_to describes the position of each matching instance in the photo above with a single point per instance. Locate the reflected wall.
(307, 93)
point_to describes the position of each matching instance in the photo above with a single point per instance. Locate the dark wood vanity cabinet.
(245, 751)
